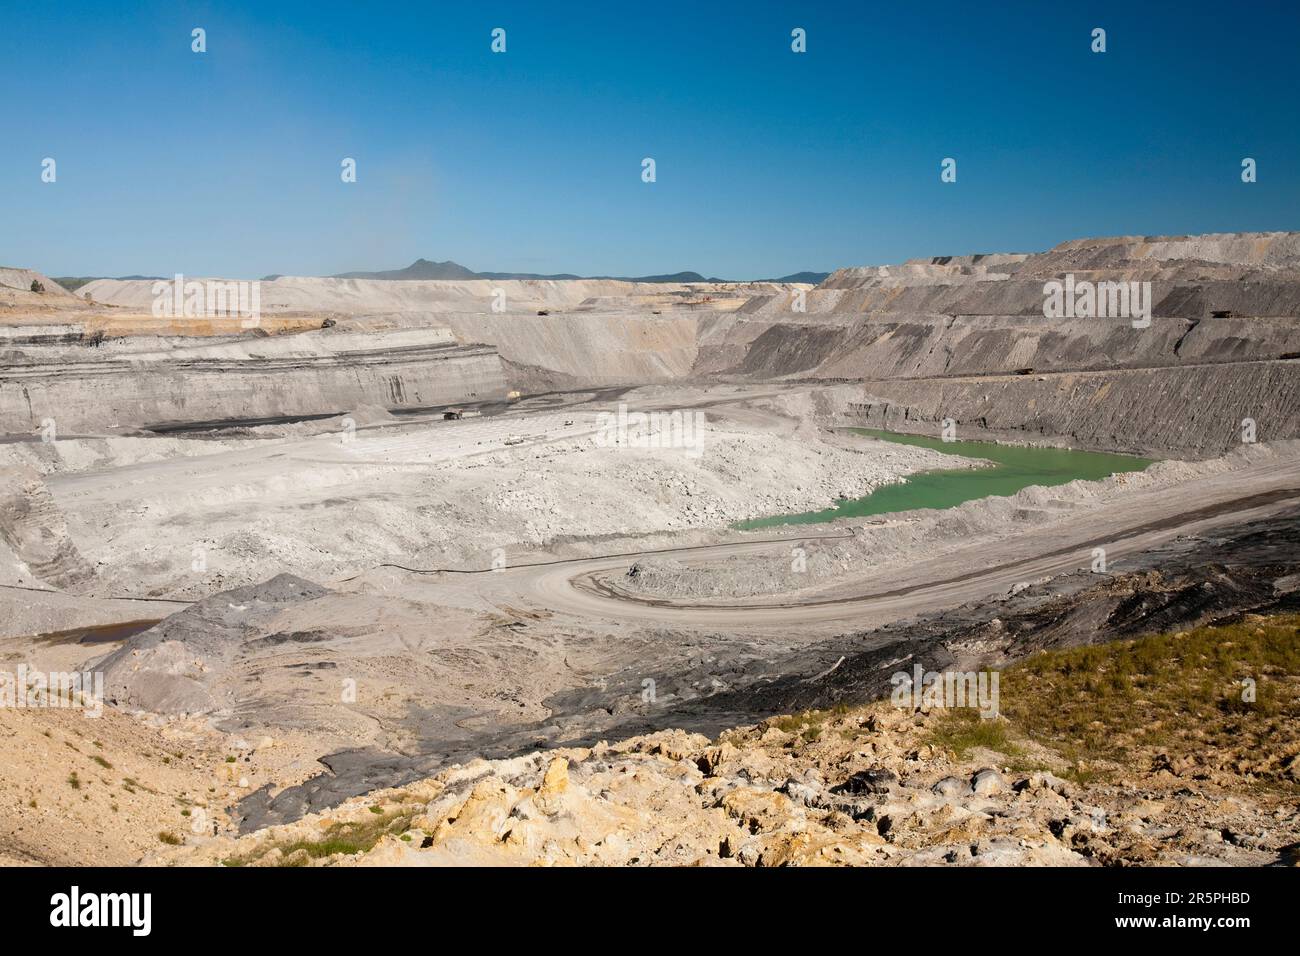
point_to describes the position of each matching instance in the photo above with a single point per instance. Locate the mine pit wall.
(589, 348)
(909, 346)
(1179, 387)
(993, 345)
(34, 534)
(1192, 412)
(567, 350)
(121, 393)
(1025, 297)
(965, 338)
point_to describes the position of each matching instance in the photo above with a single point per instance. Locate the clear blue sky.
(227, 163)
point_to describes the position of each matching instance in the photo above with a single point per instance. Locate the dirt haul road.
(965, 574)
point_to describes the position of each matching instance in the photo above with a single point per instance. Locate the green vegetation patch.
(349, 838)
(1227, 697)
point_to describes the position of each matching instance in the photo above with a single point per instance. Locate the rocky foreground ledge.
(1159, 763)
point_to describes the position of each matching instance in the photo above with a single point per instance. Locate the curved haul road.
(1150, 518)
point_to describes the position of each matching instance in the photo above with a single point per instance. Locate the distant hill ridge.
(425, 269)
(454, 271)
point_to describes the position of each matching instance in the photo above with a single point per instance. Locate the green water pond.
(1014, 467)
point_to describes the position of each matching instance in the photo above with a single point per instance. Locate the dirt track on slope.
(577, 587)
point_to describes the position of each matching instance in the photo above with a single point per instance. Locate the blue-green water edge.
(1015, 467)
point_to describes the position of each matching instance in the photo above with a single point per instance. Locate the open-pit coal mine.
(603, 577)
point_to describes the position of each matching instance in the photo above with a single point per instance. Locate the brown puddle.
(97, 633)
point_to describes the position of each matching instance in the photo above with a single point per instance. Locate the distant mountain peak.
(419, 269)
